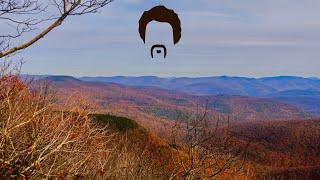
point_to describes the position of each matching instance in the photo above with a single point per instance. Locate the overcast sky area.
(231, 37)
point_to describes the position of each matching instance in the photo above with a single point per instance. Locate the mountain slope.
(282, 150)
(297, 91)
(285, 83)
(155, 107)
(308, 100)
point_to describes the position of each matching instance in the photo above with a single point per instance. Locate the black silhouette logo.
(160, 14)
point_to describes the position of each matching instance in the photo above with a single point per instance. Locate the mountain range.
(298, 91)
(303, 93)
(278, 134)
(219, 85)
(146, 103)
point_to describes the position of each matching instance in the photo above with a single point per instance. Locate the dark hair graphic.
(160, 14)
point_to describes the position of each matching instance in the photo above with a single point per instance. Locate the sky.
(252, 38)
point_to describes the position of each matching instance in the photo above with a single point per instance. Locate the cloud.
(282, 33)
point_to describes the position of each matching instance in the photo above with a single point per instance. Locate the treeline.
(282, 149)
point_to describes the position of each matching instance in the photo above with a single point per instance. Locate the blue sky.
(230, 37)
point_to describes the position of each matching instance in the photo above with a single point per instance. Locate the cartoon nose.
(158, 48)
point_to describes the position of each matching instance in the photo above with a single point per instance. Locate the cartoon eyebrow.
(159, 46)
(160, 14)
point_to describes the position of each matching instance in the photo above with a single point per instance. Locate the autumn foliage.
(37, 142)
(48, 135)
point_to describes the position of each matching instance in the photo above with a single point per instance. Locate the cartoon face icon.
(160, 14)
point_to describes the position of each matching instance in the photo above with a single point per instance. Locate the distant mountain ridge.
(301, 92)
(158, 104)
(256, 87)
(298, 91)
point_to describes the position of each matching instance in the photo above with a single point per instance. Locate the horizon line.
(172, 77)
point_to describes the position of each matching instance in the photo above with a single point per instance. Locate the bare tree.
(206, 149)
(20, 16)
(37, 141)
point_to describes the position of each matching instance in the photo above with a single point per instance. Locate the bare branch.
(24, 16)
